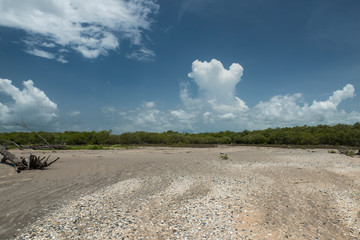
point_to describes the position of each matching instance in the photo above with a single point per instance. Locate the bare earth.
(184, 193)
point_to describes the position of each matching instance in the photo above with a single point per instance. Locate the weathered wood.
(31, 162)
(37, 134)
(12, 142)
(8, 156)
(39, 146)
(52, 146)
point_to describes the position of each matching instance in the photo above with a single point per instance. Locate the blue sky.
(194, 66)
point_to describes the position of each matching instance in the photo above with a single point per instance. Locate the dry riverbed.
(184, 193)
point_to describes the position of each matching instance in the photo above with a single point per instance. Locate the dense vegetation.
(347, 135)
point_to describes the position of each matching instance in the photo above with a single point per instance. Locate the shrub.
(94, 147)
(351, 153)
(224, 156)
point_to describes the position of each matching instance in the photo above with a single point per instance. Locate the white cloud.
(143, 55)
(48, 45)
(289, 110)
(227, 116)
(338, 96)
(149, 104)
(75, 113)
(108, 110)
(40, 53)
(147, 118)
(208, 118)
(188, 102)
(92, 27)
(62, 59)
(202, 112)
(214, 81)
(216, 107)
(216, 102)
(278, 108)
(183, 116)
(29, 106)
(237, 106)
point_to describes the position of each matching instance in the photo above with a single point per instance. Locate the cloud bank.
(216, 107)
(29, 106)
(287, 110)
(91, 28)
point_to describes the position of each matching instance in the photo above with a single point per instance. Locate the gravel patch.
(257, 194)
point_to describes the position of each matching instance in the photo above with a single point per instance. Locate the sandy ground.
(163, 193)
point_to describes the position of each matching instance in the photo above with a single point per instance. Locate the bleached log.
(9, 156)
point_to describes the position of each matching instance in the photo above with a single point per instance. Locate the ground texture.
(184, 193)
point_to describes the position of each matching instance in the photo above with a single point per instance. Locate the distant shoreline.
(321, 136)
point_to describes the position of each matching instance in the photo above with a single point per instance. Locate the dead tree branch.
(12, 142)
(27, 127)
(31, 162)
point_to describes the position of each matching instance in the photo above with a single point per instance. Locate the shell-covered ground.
(184, 193)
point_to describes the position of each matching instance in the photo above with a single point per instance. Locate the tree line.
(341, 134)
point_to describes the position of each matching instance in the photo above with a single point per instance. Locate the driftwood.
(12, 142)
(36, 146)
(343, 150)
(348, 152)
(31, 162)
(8, 155)
(37, 134)
(40, 146)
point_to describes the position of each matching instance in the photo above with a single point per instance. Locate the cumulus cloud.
(28, 106)
(279, 108)
(182, 115)
(289, 110)
(214, 81)
(334, 100)
(92, 27)
(216, 101)
(216, 107)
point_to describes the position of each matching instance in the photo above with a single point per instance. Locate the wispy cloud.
(75, 113)
(91, 28)
(143, 54)
(108, 110)
(40, 53)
